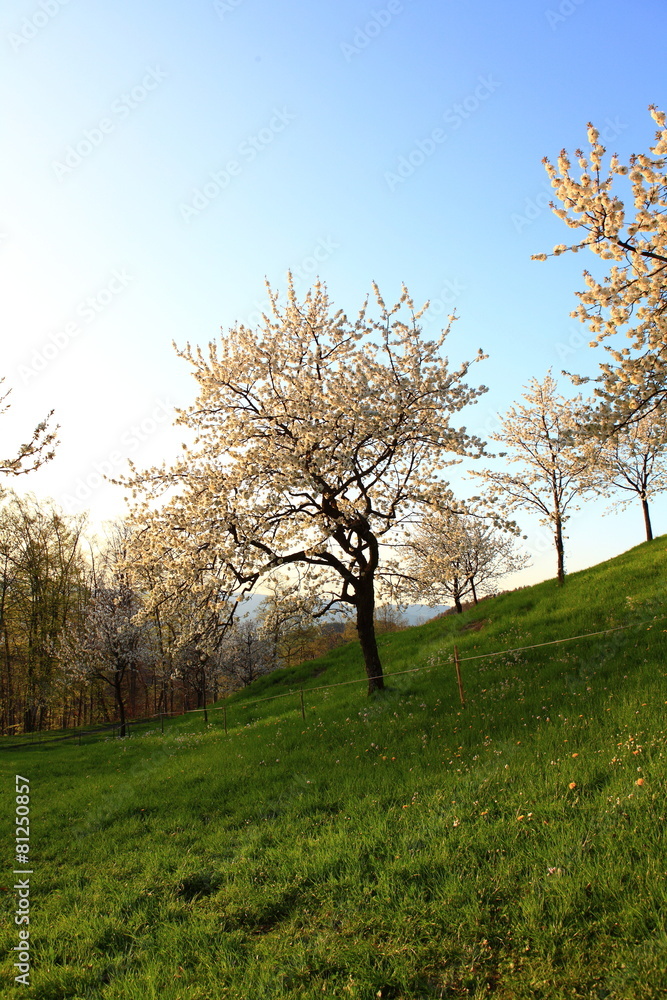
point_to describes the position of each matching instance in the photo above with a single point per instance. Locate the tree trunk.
(366, 630)
(560, 552)
(457, 592)
(647, 520)
(118, 680)
(105, 708)
(474, 592)
(10, 693)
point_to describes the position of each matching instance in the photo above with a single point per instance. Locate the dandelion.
(572, 785)
(639, 781)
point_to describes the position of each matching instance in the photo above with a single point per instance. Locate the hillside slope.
(396, 847)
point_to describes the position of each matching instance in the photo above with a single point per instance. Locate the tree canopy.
(315, 437)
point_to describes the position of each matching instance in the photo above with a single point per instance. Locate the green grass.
(398, 846)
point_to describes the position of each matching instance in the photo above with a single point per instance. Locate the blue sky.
(163, 159)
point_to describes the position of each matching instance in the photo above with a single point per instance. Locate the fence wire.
(25, 743)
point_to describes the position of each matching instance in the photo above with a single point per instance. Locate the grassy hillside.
(395, 847)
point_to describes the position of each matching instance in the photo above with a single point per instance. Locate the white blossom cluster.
(315, 437)
(632, 297)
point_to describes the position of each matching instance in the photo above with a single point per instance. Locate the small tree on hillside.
(542, 439)
(452, 554)
(389, 618)
(315, 438)
(245, 654)
(633, 462)
(112, 646)
(114, 642)
(287, 616)
(435, 560)
(489, 556)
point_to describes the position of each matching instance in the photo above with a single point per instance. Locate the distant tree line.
(77, 646)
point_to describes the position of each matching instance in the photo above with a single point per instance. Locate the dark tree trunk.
(29, 716)
(133, 692)
(118, 680)
(106, 717)
(456, 594)
(10, 693)
(560, 552)
(474, 592)
(366, 630)
(647, 520)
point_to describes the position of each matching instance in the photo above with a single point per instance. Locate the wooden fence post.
(457, 664)
(303, 707)
(224, 715)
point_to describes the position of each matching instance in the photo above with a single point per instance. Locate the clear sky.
(161, 160)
